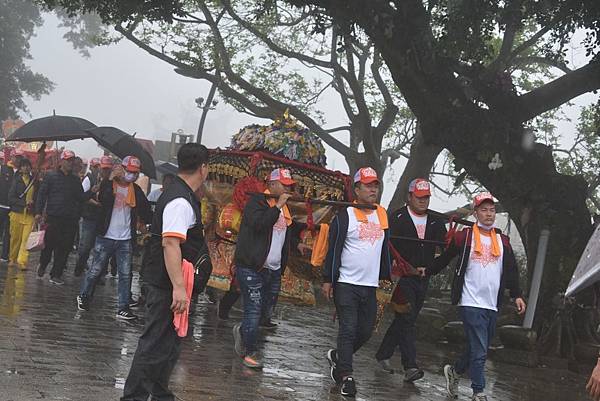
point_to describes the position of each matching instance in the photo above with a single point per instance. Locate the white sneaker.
(452, 379)
(479, 397)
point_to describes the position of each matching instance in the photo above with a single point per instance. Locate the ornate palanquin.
(228, 168)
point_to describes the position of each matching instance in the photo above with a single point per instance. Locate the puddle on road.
(120, 383)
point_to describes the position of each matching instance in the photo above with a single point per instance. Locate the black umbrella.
(166, 168)
(53, 128)
(122, 144)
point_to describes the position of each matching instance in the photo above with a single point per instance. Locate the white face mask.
(130, 177)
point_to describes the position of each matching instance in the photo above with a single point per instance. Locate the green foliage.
(18, 21)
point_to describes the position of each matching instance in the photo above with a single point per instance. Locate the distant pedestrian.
(21, 199)
(59, 199)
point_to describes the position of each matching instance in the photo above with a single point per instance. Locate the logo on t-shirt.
(370, 232)
(485, 257)
(280, 224)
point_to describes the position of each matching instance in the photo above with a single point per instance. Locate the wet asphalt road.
(50, 351)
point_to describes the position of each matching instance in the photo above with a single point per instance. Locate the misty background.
(122, 86)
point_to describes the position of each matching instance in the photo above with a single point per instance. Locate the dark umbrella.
(166, 168)
(53, 128)
(122, 144)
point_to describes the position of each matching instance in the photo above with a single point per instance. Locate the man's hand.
(304, 249)
(283, 198)
(118, 173)
(593, 386)
(521, 306)
(180, 300)
(327, 290)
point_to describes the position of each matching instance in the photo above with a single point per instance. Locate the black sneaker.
(56, 281)
(41, 271)
(413, 374)
(332, 359)
(82, 303)
(268, 325)
(134, 303)
(348, 388)
(126, 315)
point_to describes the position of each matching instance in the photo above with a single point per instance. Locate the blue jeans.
(87, 237)
(259, 293)
(480, 326)
(103, 250)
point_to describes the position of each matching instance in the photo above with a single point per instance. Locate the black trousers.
(356, 308)
(402, 330)
(5, 232)
(60, 234)
(157, 351)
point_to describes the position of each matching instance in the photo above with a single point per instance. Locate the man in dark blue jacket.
(486, 266)
(357, 258)
(59, 198)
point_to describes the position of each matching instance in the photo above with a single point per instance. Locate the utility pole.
(210, 104)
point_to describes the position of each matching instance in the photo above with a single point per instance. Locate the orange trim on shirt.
(174, 234)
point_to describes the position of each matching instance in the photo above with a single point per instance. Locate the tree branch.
(524, 61)
(559, 91)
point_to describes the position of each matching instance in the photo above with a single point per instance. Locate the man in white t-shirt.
(486, 266)
(122, 203)
(267, 233)
(176, 234)
(357, 258)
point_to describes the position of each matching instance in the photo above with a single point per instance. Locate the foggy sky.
(122, 86)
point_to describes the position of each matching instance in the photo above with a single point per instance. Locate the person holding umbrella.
(123, 204)
(21, 199)
(59, 199)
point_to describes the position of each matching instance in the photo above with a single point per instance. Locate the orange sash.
(477, 241)
(361, 216)
(130, 198)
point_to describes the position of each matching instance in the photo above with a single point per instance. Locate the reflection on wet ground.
(50, 351)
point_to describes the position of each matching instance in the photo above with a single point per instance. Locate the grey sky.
(122, 86)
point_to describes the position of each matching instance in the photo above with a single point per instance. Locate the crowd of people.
(107, 209)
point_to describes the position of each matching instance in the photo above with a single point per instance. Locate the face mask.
(130, 177)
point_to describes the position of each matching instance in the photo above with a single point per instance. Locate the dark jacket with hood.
(256, 231)
(338, 231)
(461, 246)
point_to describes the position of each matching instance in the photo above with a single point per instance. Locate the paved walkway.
(50, 351)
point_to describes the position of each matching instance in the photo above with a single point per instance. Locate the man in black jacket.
(486, 266)
(59, 198)
(267, 233)
(357, 258)
(91, 211)
(409, 225)
(123, 202)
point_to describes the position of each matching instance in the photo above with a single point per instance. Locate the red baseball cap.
(94, 161)
(67, 154)
(366, 175)
(482, 197)
(419, 187)
(106, 162)
(132, 164)
(282, 175)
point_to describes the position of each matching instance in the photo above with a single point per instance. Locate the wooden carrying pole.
(320, 201)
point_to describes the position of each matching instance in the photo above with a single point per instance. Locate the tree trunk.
(420, 162)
